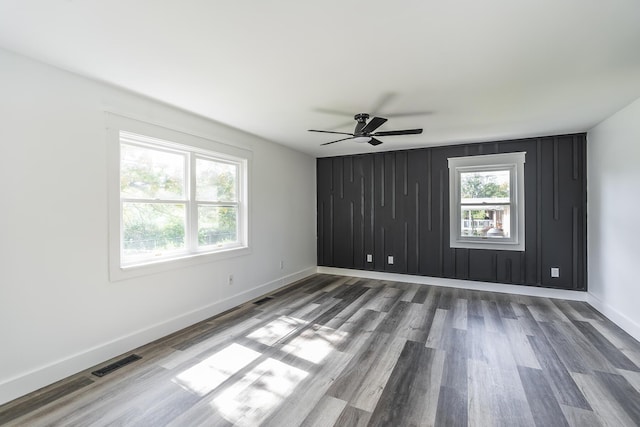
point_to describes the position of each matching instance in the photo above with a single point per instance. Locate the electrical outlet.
(369, 258)
(281, 264)
(555, 272)
(389, 260)
(230, 280)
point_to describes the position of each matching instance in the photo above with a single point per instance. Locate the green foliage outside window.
(483, 185)
(153, 226)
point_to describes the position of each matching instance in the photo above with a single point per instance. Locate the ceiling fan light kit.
(365, 131)
(361, 139)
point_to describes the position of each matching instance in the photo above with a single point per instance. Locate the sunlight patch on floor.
(214, 370)
(315, 344)
(274, 331)
(253, 398)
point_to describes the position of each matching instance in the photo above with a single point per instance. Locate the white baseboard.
(27, 382)
(628, 325)
(463, 284)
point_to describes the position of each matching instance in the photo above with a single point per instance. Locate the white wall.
(613, 151)
(59, 313)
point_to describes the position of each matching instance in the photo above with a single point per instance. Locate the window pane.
(217, 225)
(216, 181)
(153, 228)
(489, 187)
(486, 221)
(151, 174)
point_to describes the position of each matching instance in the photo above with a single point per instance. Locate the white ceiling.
(486, 70)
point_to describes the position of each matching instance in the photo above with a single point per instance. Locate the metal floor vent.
(116, 365)
(263, 300)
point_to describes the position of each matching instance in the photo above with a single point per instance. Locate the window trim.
(196, 147)
(514, 162)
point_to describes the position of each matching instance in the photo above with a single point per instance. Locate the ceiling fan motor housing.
(361, 120)
(361, 117)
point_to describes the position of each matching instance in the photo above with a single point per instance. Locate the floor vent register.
(116, 365)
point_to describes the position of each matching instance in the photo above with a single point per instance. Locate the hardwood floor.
(338, 351)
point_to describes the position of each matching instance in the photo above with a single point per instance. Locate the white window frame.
(514, 163)
(126, 130)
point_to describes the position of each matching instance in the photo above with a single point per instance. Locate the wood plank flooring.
(338, 351)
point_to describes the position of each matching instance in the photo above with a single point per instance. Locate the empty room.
(333, 214)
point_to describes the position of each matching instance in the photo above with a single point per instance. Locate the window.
(487, 201)
(175, 202)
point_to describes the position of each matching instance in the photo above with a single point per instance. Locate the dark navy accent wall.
(396, 204)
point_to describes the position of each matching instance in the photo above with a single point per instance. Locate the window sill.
(488, 244)
(118, 273)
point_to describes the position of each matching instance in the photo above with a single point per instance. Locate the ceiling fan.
(365, 131)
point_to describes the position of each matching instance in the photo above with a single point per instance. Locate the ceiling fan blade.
(373, 124)
(330, 111)
(398, 132)
(343, 125)
(409, 114)
(333, 142)
(383, 100)
(330, 131)
(375, 142)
